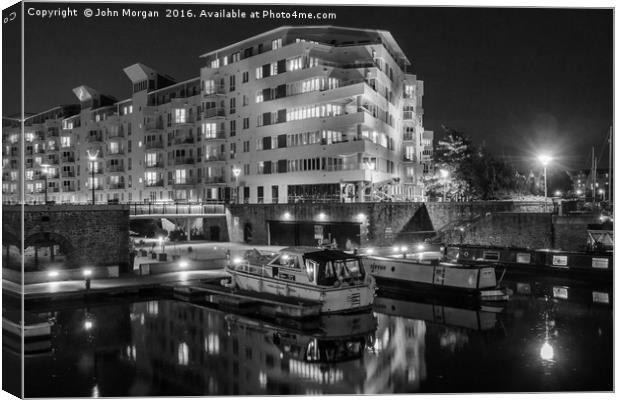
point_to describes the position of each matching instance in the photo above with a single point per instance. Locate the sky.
(519, 81)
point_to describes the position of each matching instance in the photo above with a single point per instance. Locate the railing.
(183, 161)
(116, 168)
(218, 135)
(154, 183)
(158, 164)
(215, 157)
(117, 186)
(172, 209)
(69, 174)
(68, 159)
(95, 138)
(214, 112)
(155, 145)
(214, 179)
(217, 90)
(186, 140)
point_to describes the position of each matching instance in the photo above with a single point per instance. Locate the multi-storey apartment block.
(293, 114)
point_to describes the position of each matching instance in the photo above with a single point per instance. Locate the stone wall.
(89, 235)
(506, 229)
(570, 231)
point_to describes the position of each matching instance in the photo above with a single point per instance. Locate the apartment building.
(293, 114)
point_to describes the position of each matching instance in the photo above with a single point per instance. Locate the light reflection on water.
(166, 347)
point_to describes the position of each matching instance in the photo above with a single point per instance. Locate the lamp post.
(92, 158)
(444, 173)
(545, 160)
(236, 171)
(602, 193)
(45, 170)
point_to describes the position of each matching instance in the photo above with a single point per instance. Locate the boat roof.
(318, 254)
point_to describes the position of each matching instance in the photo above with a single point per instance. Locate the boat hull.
(333, 300)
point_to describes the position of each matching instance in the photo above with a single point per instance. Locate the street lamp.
(45, 170)
(602, 193)
(444, 173)
(92, 158)
(545, 160)
(236, 171)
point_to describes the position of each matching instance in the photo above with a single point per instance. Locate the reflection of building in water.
(397, 363)
(183, 349)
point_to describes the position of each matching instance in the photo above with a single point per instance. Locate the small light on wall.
(322, 216)
(361, 216)
(183, 264)
(286, 215)
(52, 274)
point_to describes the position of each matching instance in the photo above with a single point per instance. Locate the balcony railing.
(214, 179)
(184, 161)
(116, 168)
(157, 183)
(158, 164)
(215, 91)
(68, 174)
(68, 159)
(155, 145)
(185, 140)
(215, 157)
(214, 112)
(147, 209)
(120, 185)
(94, 138)
(188, 181)
(216, 135)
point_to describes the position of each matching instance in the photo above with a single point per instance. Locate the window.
(180, 176)
(209, 130)
(273, 69)
(246, 123)
(294, 64)
(65, 141)
(260, 194)
(245, 77)
(246, 146)
(233, 105)
(151, 159)
(276, 44)
(245, 100)
(209, 87)
(233, 127)
(129, 146)
(409, 153)
(246, 171)
(233, 150)
(180, 115)
(232, 83)
(215, 63)
(259, 96)
(114, 148)
(259, 73)
(235, 57)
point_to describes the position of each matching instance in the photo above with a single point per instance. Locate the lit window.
(180, 115)
(276, 44)
(209, 130)
(259, 73)
(65, 141)
(180, 176)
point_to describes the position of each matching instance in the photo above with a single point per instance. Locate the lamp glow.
(545, 159)
(183, 264)
(322, 216)
(404, 248)
(546, 352)
(52, 274)
(87, 272)
(420, 247)
(370, 251)
(237, 260)
(88, 325)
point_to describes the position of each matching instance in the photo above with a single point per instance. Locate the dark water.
(551, 336)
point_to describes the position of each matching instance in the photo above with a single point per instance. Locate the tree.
(472, 173)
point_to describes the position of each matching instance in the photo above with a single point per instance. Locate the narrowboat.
(479, 280)
(335, 279)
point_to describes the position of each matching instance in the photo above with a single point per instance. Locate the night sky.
(519, 80)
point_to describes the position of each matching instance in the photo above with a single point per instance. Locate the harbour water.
(551, 336)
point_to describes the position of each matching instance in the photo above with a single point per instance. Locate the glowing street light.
(602, 193)
(545, 159)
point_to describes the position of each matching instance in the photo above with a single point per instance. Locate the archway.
(46, 249)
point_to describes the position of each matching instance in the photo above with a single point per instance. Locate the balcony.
(68, 174)
(184, 140)
(117, 153)
(214, 179)
(158, 183)
(154, 145)
(218, 135)
(218, 90)
(185, 182)
(216, 112)
(215, 157)
(158, 164)
(94, 138)
(116, 168)
(68, 159)
(184, 161)
(68, 188)
(155, 126)
(120, 185)
(118, 134)
(409, 158)
(408, 115)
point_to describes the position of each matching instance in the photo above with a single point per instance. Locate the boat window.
(311, 268)
(286, 260)
(347, 268)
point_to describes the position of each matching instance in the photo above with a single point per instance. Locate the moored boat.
(433, 274)
(335, 279)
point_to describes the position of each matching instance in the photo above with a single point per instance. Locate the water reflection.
(551, 339)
